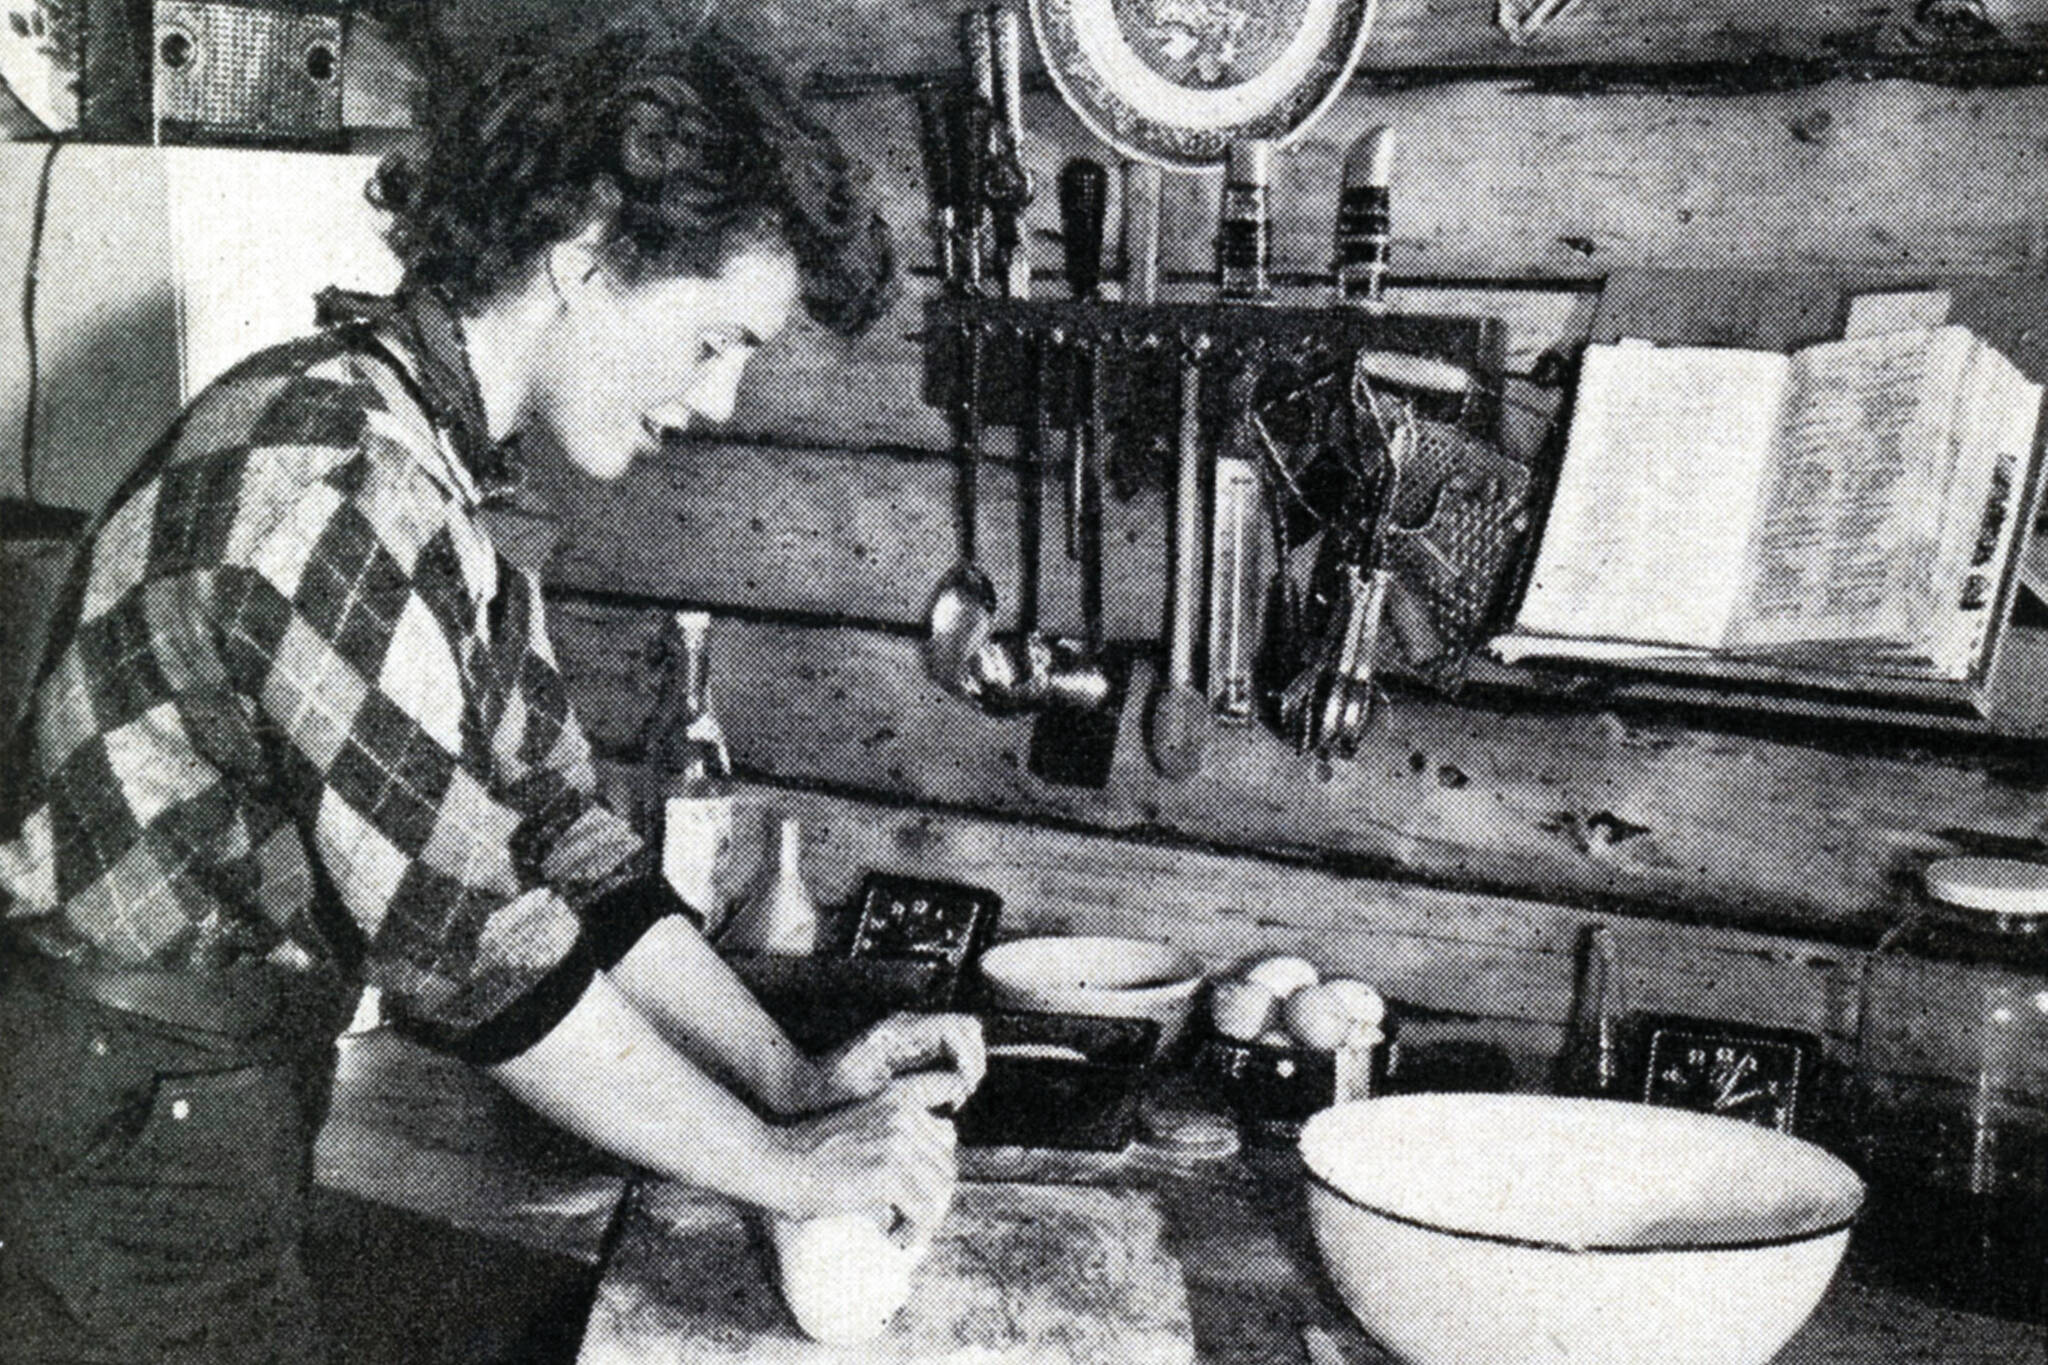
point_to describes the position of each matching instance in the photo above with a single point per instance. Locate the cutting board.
(1018, 1274)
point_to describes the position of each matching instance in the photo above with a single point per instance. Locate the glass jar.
(1952, 1069)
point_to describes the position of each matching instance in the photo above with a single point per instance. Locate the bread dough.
(844, 1277)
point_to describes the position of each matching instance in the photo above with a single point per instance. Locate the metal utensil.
(1009, 184)
(1084, 196)
(1348, 702)
(961, 614)
(1178, 726)
(1234, 556)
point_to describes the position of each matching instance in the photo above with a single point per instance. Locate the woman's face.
(625, 364)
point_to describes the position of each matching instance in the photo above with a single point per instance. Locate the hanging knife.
(1364, 221)
(935, 114)
(972, 152)
(1141, 232)
(1084, 193)
(1009, 184)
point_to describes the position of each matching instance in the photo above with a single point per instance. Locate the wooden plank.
(1496, 180)
(1017, 1274)
(792, 526)
(823, 531)
(876, 38)
(1577, 807)
(1472, 958)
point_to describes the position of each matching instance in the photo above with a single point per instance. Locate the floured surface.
(1018, 1273)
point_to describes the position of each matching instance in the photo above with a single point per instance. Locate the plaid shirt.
(300, 709)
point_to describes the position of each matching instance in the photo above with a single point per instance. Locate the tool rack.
(1028, 344)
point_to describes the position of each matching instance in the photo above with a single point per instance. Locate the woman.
(300, 730)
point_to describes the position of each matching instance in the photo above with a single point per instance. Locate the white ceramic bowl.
(1112, 978)
(1517, 1229)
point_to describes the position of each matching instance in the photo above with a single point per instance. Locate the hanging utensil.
(1142, 190)
(937, 113)
(1364, 221)
(1075, 739)
(973, 131)
(1008, 189)
(961, 614)
(1178, 726)
(1084, 196)
(1347, 705)
(1243, 274)
(1234, 555)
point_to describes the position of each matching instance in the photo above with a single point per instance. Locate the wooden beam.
(899, 38)
(1578, 807)
(1498, 180)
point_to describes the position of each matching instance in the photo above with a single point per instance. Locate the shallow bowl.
(1518, 1229)
(1109, 978)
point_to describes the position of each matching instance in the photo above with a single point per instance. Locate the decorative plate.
(1177, 81)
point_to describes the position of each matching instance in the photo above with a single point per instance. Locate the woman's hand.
(900, 1044)
(887, 1152)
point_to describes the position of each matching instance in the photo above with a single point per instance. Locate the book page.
(2006, 433)
(1851, 523)
(1657, 495)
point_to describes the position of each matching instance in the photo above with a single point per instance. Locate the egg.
(1319, 1017)
(1364, 1004)
(1284, 975)
(1243, 1009)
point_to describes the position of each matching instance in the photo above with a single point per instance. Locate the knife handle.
(1084, 198)
(1142, 192)
(1244, 240)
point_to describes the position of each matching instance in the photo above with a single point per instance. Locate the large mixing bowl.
(1518, 1229)
(1110, 978)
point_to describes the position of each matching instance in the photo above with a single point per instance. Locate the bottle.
(1590, 1065)
(1952, 1084)
(687, 793)
(779, 915)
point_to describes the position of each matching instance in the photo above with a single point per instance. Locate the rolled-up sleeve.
(394, 660)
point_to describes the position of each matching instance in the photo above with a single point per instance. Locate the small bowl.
(1517, 1229)
(1109, 978)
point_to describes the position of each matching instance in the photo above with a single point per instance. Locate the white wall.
(160, 268)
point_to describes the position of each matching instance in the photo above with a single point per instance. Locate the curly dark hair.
(685, 145)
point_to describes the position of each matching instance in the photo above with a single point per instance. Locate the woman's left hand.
(900, 1044)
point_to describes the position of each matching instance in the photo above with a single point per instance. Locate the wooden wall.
(1459, 856)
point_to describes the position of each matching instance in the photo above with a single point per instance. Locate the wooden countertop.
(422, 1133)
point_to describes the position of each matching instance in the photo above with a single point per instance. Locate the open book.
(1852, 508)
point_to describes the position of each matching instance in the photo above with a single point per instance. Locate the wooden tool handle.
(1084, 197)
(1142, 185)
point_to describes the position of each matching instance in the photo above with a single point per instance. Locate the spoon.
(960, 618)
(961, 614)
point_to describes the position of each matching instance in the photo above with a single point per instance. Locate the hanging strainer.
(1457, 512)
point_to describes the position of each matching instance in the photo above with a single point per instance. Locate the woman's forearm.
(680, 984)
(608, 1076)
